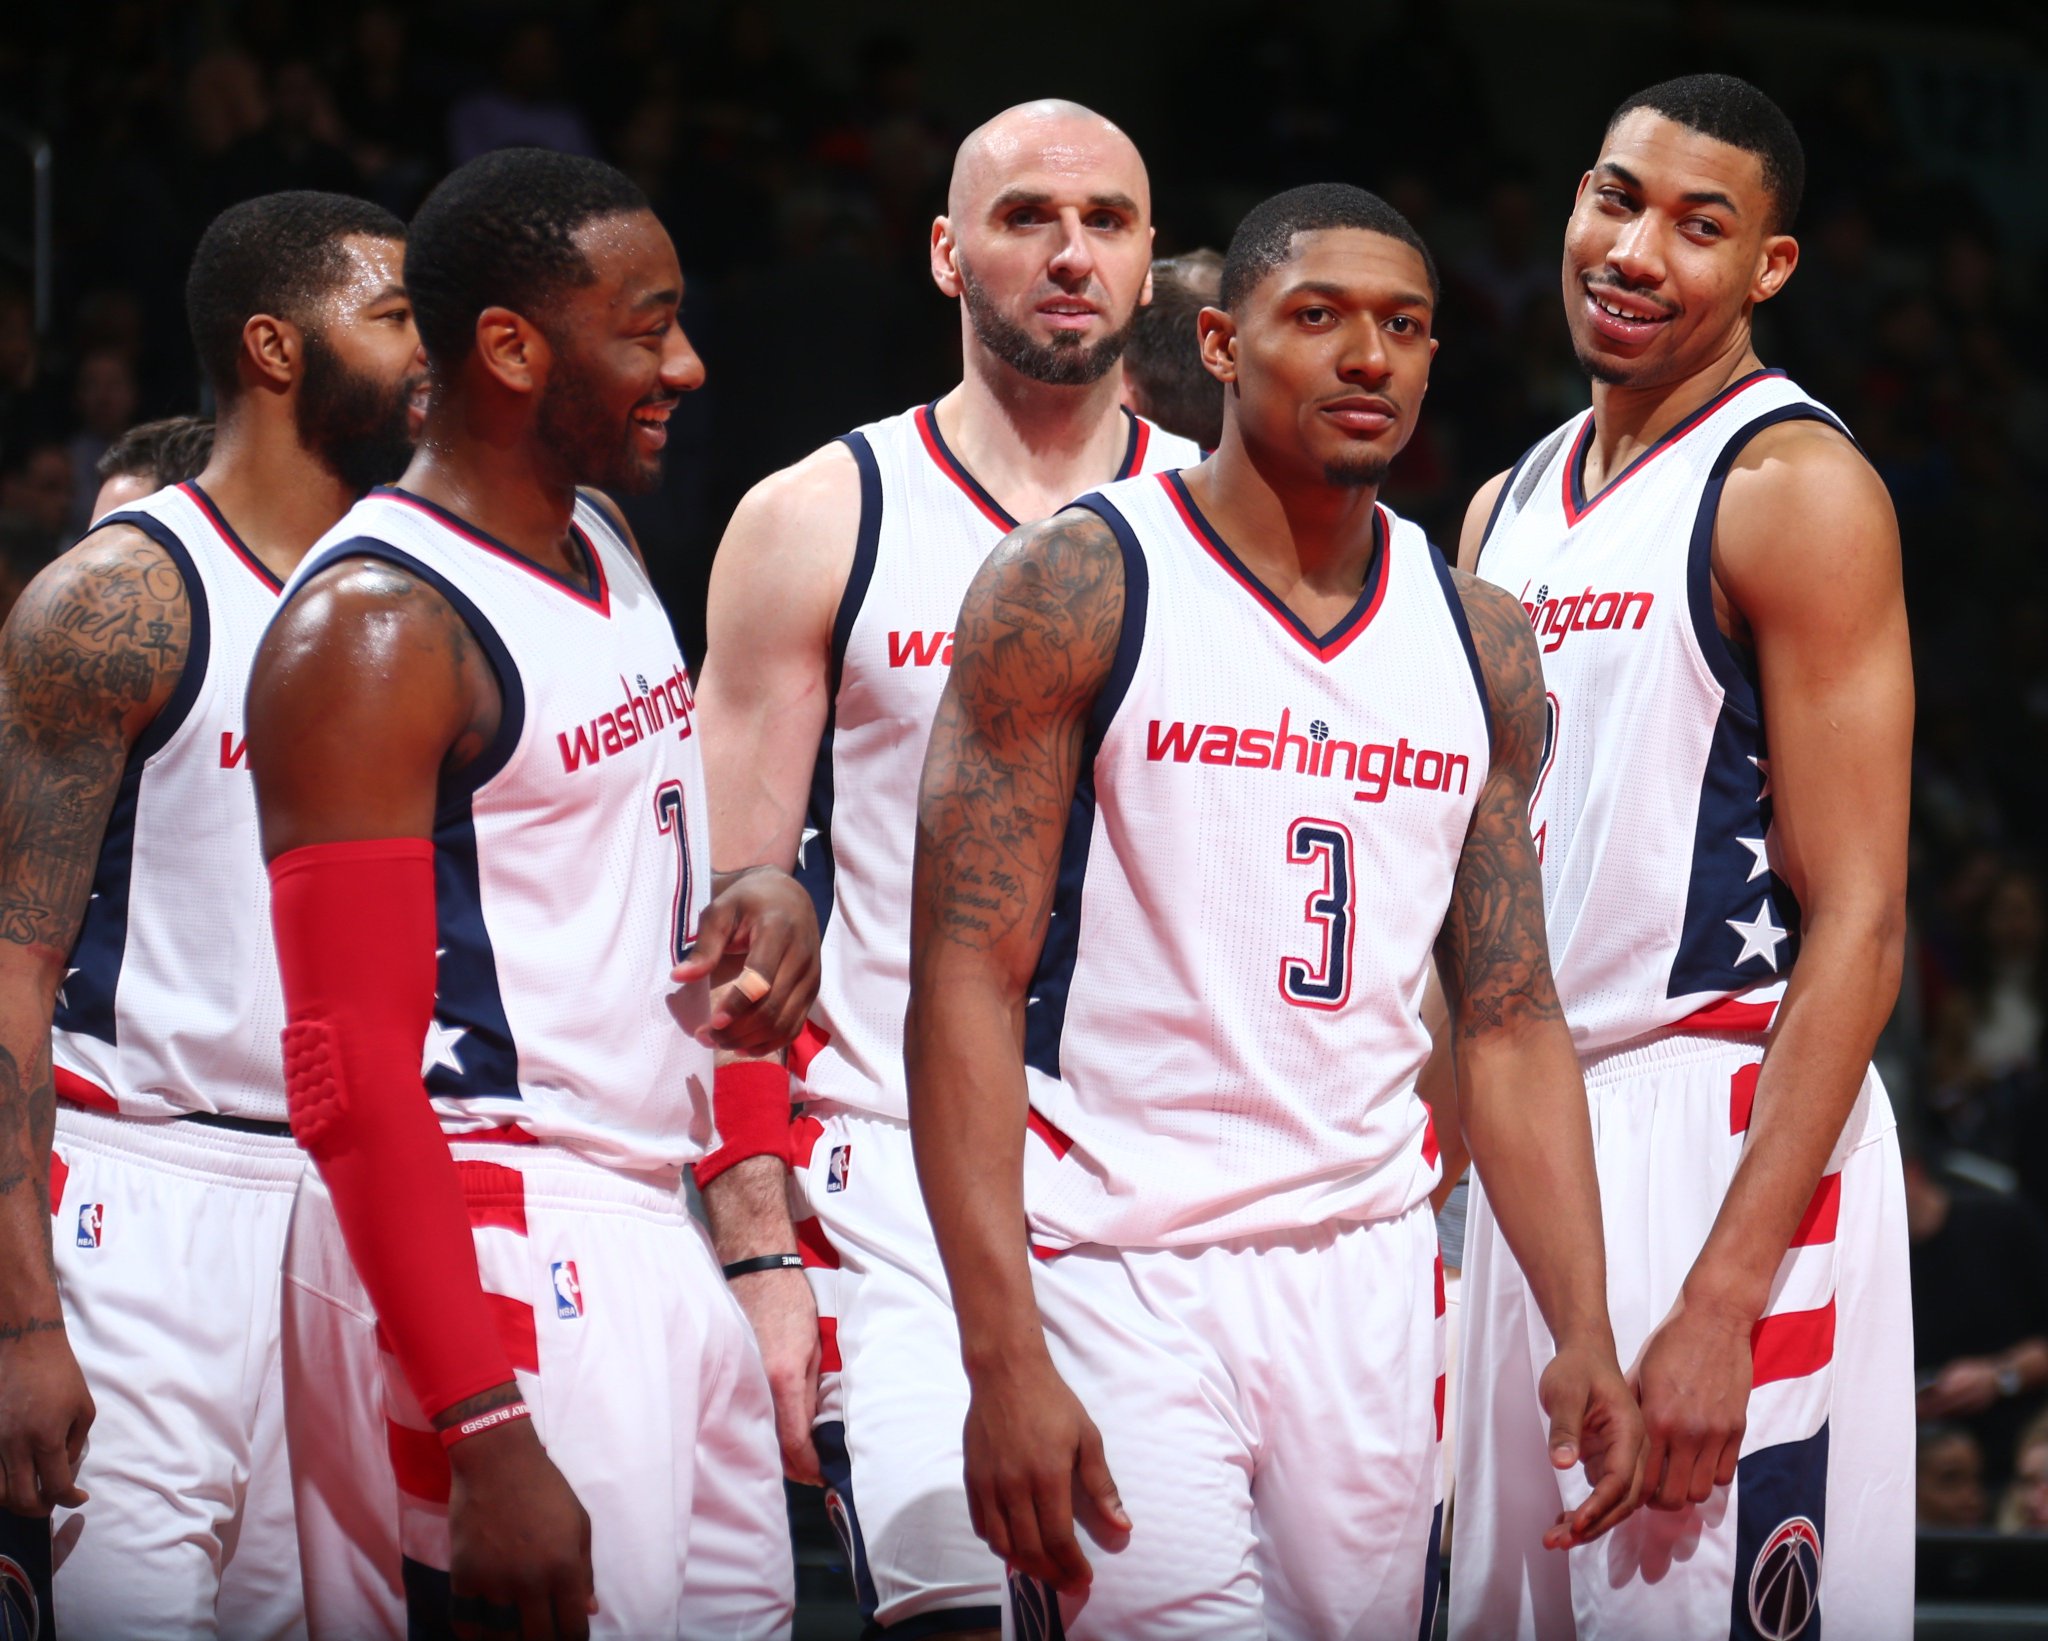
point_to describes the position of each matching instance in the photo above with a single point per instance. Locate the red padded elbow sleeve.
(355, 946)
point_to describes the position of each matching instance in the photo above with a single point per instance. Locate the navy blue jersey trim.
(1732, 667)
(591, 588)
(835, 1463)
(1575, 463)
(1045, 1016)
(1781, 1534)
(97, 953)
(958, 469)
(1132, 445)
(231, 535)
(1432, 1576)
(1464, 626)
(1500, 501)
(814, 866)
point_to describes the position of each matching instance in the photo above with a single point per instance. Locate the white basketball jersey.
(1223, 1037)
(1654, 811)
(171, 1002)
(926, 527)
(571, 860)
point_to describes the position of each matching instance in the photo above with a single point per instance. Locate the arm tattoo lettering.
(1493, 953)
(1036, 638)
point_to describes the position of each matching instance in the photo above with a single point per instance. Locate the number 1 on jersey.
(1323, 982)
(670, 819)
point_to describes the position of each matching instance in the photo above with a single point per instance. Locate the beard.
(1064, 361)
(358, 428)
(1357, 472)
(575, 422)
(1602, 370)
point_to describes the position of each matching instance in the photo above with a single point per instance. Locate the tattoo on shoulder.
(92, 650)
(439, 628)
(1493, 953)
(1037, 636)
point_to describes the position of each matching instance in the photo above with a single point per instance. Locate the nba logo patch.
(568, 1290)
(91, 1218)
(837, 1167)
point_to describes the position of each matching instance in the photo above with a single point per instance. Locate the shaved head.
(1049, 135)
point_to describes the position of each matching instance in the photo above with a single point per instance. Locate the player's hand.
(1032, 1454)
(764, 915)
(1693, 1379)
(785, 1320)
(1967, 1385)
(45, 1411)
(519, 1542)
(1594, 1421)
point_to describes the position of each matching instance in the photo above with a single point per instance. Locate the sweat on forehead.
(1051, 134)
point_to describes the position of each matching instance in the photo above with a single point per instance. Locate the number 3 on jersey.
(669, 821)
(1323, 982)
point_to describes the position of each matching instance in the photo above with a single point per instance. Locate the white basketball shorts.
(1818, 1524)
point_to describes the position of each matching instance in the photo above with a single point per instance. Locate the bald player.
(830, 635)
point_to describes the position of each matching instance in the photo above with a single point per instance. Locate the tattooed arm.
(88, 657)
(1520, 1095)
(1033, 645)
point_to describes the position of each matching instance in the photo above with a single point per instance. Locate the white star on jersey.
(1763, 768)
(803, 843)
(62, 1001)
(440, 1048)
(1760, 938)
(1758, 848)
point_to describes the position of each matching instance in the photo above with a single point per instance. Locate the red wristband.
(489, 1419)
(750, 1109)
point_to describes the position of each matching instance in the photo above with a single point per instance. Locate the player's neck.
(1032, 446)
(1311, 536)
(1629, 420)
(276, 495)
(497, 488)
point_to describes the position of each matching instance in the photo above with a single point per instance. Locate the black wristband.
(766, 1262)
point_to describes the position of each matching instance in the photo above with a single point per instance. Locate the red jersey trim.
(949, 464)
(1134, 452)
(599, 599)
(226, 532)
(1340, 637)
(1576, 506)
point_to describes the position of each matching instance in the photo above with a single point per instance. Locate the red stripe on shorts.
(419, 1463)
(815, 1247)
(1439, 1283)
(828, 1345)
(1439, 1407)
(70, 1086)
(1059, 1142)
(1742, 1097)
(803, 1140)
(1792, 1344)
(1823, 1213)
(496, 1194)
(60, 1171)
(1730, 1014)
(516, 1331)
(810, 1042)
(1429, 1146)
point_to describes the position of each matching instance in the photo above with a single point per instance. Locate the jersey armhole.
(1462, 622)
(1130, 641)
(866, 544)
(1733, 668)
(156, 735)
(511, 693)
(1507, 490)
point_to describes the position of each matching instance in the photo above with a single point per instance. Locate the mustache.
(1614, 282)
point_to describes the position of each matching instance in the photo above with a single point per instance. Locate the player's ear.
(272, 349)
(1218, 334)
(511, 349)
(945, 258)
(1776, 260)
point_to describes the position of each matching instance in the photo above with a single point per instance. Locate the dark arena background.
(798, 152)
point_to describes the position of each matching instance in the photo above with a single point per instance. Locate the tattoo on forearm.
(1493, 953)
(28, 1116)
(1035, 639)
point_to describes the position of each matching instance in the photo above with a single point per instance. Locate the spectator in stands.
(105, 396)
(2025, 1509)
(1164, 378)
(145, 459)
(1949, 1479)
(35, 493)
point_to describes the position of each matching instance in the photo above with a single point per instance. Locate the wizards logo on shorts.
(21, 1615)
(568, 1290)
(837, 1167)
(91, 1219)
(1784, 1585)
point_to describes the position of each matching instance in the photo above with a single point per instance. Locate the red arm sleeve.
(354, 925)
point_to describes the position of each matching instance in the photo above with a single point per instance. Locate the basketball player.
(1712, 572)
(138, 995)
(481, 801)
(1223, 756)
(148, 457)
(830, 616)
(1164, 378)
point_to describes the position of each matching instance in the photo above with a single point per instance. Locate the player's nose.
(682, 368)
(1637, 253)
(1075, 258)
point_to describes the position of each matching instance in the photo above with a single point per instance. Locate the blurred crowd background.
(798, 153)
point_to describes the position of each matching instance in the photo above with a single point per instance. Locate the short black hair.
(497, 233)
(1735, 112)
(278, 254)
(1163, 358)
(1265, 239)
(171, 450)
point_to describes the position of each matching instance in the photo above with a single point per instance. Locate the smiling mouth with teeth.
(1612, 311)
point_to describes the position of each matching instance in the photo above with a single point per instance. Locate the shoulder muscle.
(1472, 535)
